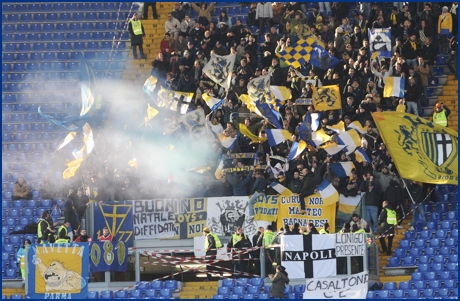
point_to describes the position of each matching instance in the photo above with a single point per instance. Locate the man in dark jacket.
(373, 190)
(308, 187)
(238, 184)
(256, 242)
(412, 95)
(243, 254)
(388, 221)
(415, 194)
(394, 195)
(137, 33)
(295, 184)
(80, 201)
(411, 49)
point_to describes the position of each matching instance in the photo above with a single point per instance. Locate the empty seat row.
(65, 46)
(432, 279)
(35, 67)
(33, 118)
(427, 293)
(21, 147)
(44, 107)
(60, 7)
(34, 203)
(62, 17)
(34, 127)
(451, 219)
(75, 34)
(56, 76)
(440, 189)
(60, 66)
(45, 87)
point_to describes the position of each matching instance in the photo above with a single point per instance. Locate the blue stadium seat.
(15, 77)
(22, 57)
(28, 77)
(12, 88)
(78, 17)
(166, 293)
(20, 37)
(423, 259)
(9, 28)
(87, 26)
(423, 268)
(106, 294)
(74, 27)
(429, 276)
(171, 284)
(11, 274)
(10, 222)
(10, 47)
(91, 17)
(7, 57)
(219, 297)
(7, 37)
(18, 137)
(24, 221)
(443, 292)
(90, 55)
(95, 6)
(223, 290)
(52, 17)
(93, 295)
(61, 27)
(136, 293)
(437, 267)
(6, 67)
(253, 289)
(157, 284)
(151, 293)
(12, 18)
(59, 36)
(233, 297)
(49, 56)
(121, 294)
(101, 26)
(24, 47)
(108, 6)
(48, 27)
(104, 17)
(23, 128)
(65, 17)
(97, 35)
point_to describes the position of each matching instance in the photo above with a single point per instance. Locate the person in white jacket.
(187, 24)
(172, 25)
(216, 126)
(264, 13)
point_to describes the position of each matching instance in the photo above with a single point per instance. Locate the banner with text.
(108, 256)
(309, 256)
(118, 218)
(58, 271)
(350, 244)
(225, 214)
(316, 212)
(266, 208)
(169, 218)
(346, 287)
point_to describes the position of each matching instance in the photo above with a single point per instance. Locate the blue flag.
(268, 112)
(322, 59)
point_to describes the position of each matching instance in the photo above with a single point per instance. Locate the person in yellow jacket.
(211, 244)
(137, 33)
(388, 221)
(445, 28)
(326, 229)
(440, 114)
(21, 259)
(267, 239)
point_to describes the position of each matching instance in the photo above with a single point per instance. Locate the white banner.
(350, 244)
(346, 287)
(225, 214)
(154, 219)
(309, 256)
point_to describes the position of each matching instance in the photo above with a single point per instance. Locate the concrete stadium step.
(450, 88)
(199, 290)
(449, 93)
(397, 279)
(14, 291)
(451, 82)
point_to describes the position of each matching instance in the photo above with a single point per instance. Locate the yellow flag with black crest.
(422, 151)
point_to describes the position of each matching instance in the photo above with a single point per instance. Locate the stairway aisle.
(383, 257)
(137, 71)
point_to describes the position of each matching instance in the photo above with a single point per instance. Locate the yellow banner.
(266, 208)
(431, 150)
(316, 212)
(327, 98)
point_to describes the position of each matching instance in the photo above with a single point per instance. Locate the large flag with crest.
(308, 50)
(259, 87)
(195, 123)
(432, 150)
(174, 100)
(327, 98)
(219, 69)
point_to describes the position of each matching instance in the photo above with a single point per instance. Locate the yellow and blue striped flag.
(394, 86)
(328, 193)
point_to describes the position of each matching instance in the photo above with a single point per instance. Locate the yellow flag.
(70, 136)
(245, 131)
(327, 98)
(422, 151)
(72, 168)
(375, 55)
(250, 103)
(151, 112)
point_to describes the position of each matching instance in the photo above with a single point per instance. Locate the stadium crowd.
(419, 33)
